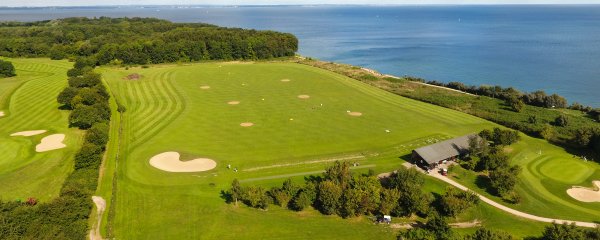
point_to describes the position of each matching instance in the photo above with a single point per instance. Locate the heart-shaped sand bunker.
(50, 143)
(169, 161)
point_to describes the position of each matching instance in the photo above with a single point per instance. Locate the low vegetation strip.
(299, 174)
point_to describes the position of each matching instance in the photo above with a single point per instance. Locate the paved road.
(435, 174)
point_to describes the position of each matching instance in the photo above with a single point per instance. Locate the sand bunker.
(285, 80)
(584, 194)
(169, 161)
(204, 87)
(303, 96)
(28, 133)
(355, 114)
(1, 114)
(233, 102)
(51, 142)
(247, 124)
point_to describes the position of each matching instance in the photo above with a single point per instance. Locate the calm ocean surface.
(553, 48)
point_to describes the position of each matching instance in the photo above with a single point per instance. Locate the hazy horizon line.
(322, 4)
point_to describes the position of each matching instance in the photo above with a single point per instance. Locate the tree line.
(536, 98)
(140, 41)
(66, 217)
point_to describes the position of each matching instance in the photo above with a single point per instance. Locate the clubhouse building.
(431, 156)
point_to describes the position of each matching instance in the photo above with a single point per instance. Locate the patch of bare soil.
(133, 76)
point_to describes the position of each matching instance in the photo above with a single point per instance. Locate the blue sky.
(18, 3)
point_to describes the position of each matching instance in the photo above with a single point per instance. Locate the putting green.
(563, 170)
(29, 102)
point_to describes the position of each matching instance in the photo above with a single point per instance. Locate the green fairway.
(29, 102)
(168, 110)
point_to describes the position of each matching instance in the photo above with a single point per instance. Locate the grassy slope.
(29, 100)
(166, 110)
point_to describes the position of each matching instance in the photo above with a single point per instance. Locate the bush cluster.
(486, 153)
(6, 69)
(66, 217)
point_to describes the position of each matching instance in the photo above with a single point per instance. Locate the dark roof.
(444, 150)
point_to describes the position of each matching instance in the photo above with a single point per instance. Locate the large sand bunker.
(233, 102)
(28, 133)
(585, 194)
(303, 96)
(51, 142)
(1, 113)
(355, 114)
(169, 161)
(204, 87)
(247, 124)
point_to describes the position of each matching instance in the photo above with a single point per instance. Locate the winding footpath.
(435, 174)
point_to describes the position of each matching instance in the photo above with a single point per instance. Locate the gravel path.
(100, 206)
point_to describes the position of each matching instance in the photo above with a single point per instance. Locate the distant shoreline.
(293, 5)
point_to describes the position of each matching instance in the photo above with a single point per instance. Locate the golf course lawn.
(188, 109)
(29, 103)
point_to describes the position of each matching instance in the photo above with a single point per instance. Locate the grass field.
(29, 102)
(167, 110)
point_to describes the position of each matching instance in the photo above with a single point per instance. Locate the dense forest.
(140, 41)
